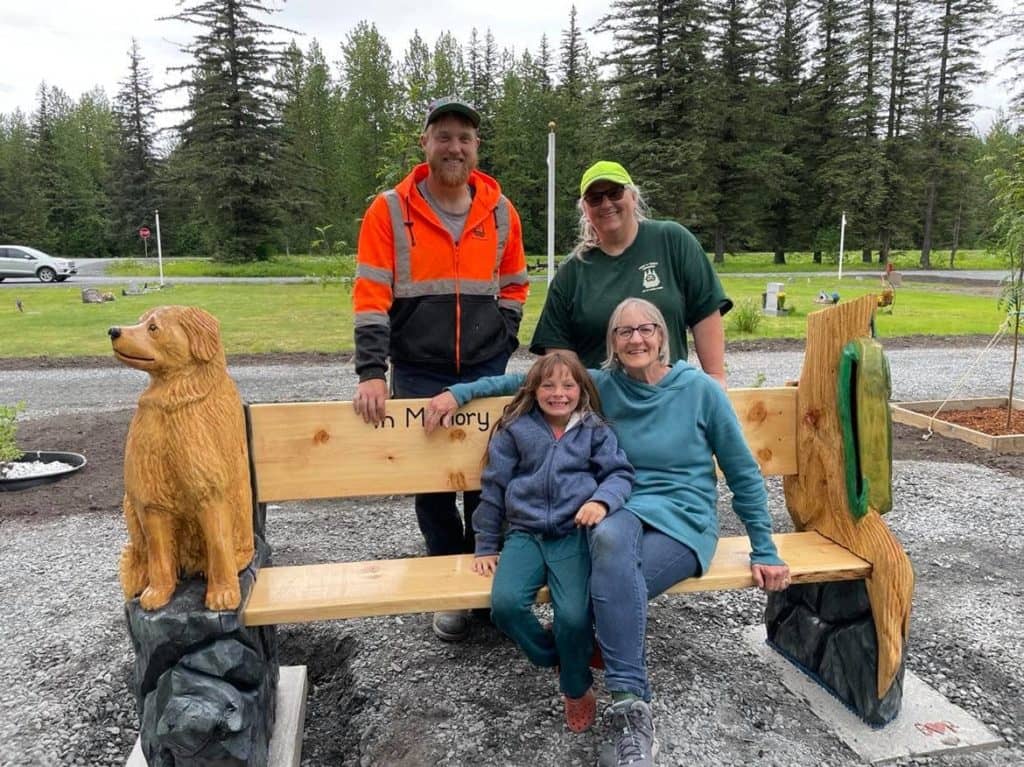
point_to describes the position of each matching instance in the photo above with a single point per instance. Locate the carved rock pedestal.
(205, 684)
(827, 629)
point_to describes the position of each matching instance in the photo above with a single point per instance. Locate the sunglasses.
(625, 332)
(593, 199)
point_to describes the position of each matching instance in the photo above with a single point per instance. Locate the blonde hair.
(651, 313)
(587, 236)
(525, 399)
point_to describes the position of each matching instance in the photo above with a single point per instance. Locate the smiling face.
(558, 396)
(611, 218)
(638, 354)
(450, 145)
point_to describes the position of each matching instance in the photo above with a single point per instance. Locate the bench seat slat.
(303, 593)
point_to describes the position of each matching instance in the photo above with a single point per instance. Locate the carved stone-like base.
(827, 629)
(205, 684)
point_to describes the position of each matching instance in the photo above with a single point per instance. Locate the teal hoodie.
(671, 431)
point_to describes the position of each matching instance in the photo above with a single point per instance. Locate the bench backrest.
(306, 450)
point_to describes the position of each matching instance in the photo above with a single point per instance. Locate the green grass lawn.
(318, 317)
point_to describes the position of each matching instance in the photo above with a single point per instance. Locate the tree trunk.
(956, 234)
(1013, 369)
(780, 255)
(884, 238)
(865, 255)
(926, 238)
(816, 256)
(719, 243)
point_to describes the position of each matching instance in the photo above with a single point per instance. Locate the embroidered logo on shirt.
(651, 279)
(478, 232)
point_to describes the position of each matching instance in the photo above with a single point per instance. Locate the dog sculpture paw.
(152, 597)
(226, 597)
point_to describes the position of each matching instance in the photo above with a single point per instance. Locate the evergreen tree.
(781, 168)
(368, 111)
(958, 28)
(729, 182)
(136, 168)
(232, 128)
(23, 203)
(660, 80)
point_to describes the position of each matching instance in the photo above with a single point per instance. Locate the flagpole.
(551, 201)
(842, 237)
(159, 250)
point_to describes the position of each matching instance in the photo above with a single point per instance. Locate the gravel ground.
(385, 692)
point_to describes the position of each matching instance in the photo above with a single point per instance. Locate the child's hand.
(439, 411)
(485, 565)
(591, 513)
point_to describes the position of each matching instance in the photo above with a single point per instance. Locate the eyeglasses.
(625, 332)
(593, 199)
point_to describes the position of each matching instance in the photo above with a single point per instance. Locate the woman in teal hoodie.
(673, 422)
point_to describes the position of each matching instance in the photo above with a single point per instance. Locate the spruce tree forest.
(755, 123)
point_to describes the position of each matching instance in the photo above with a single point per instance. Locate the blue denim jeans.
(444, 530)
(630, 564)
(527, 562)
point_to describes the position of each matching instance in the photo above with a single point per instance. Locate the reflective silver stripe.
(372, 318)
(501, 221)
(519, 278)
(446, 287)
(403, 256)
(508, 303)
(374, 274)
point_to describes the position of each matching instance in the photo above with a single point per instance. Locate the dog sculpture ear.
(203, 331)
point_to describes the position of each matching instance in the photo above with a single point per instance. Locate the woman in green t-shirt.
(622, 254)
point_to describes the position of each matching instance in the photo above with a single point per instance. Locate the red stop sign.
(144, 232)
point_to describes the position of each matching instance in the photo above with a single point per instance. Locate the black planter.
(75, 462)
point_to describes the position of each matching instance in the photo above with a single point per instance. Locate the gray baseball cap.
(451, 105)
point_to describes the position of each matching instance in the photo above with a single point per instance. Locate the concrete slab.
(928, 723)
(286, 741)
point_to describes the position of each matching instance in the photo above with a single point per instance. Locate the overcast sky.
(77, 45)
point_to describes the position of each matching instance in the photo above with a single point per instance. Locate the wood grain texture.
(323, 450)
(306, 593)
(816, 496)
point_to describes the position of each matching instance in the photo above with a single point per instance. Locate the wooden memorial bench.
(829, 438)
(315, 450)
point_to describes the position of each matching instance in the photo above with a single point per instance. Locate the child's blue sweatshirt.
(671, 431)
(538, 483)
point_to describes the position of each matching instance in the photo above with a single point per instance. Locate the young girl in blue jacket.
(553, 469)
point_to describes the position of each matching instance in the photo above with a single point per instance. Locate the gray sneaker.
(633, 743)
(452, 626)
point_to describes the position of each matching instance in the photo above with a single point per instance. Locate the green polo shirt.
(665, 265)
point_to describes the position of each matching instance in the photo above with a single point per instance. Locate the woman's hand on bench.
(439, 411)
(771, 577)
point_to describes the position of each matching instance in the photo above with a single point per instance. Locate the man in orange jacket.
(440, 287)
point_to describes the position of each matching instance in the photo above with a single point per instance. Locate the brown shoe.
(580, 712)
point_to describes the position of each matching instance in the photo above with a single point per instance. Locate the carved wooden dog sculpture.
(187, 502)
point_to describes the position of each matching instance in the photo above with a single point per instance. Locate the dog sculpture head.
(169, 338)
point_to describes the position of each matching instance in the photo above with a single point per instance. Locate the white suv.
(22, 261)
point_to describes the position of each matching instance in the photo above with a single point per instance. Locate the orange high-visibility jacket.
(426, 301)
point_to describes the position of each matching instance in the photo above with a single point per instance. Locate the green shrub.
(9, 432)
(745, 316)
